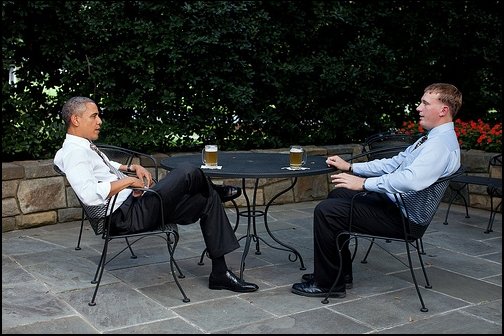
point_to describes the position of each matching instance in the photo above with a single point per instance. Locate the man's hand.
(338, 163)
(137, 193)
(142, 174)
(348, 181)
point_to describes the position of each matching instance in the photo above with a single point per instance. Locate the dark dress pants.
(373, 214)
(187, 197)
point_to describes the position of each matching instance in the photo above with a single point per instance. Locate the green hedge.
(171, 75)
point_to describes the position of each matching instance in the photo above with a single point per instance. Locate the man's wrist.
(364, 185)
(350, 168)
(129, 169)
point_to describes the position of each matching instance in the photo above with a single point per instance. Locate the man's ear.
(75, 120)
(444, 111)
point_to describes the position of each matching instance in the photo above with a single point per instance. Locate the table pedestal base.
(251, 213)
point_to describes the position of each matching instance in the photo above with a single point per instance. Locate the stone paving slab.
(46, 283)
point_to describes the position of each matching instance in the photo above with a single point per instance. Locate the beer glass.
(297, 156)
(210, 155)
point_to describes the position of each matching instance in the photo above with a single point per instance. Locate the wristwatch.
(364, 185)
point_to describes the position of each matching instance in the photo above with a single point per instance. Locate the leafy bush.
(170, 75)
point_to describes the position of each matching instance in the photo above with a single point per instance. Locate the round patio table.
(251, 165)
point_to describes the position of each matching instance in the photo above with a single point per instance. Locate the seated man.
(416, 168)
(95, 179)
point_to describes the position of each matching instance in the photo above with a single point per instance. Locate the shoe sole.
(332, 295)
(348, 285)
(233, 290)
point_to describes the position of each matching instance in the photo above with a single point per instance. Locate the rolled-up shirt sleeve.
(87, 173)
(89, 188)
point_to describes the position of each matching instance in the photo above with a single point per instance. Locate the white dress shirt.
(86, 172)
(417, 169)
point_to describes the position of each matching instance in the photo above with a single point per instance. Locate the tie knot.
(422, 140)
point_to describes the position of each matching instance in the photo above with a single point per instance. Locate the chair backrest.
(387, 144)
(495, 166)
(421, 206)
(126, 156)
(495, 170)
(96, 214)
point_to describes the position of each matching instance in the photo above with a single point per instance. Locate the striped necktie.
(419, 143)
(113, 170)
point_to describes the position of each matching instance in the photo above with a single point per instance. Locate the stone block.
(478, 189)
(8, 224)
(315, 150)
(41, 194)
(12, 171)
(476, 161)
(345, 151)
(479, 201)
(69, 214)
(310, 188)
(36, 219)
(9, 188)
(273, 189)
(496, 172)
(38, 169)
(71, 197)
(10, 207)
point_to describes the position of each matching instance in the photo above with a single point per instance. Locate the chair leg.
(423, 309)
(99, 272)
(171, 250)
(421, 246)
(493, 212)
(81, 229)
(451, 202)
(326, 298)
(364, 261)
(133, 255)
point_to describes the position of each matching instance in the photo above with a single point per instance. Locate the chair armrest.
(379, 150)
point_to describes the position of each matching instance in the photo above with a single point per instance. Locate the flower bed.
(471, 134)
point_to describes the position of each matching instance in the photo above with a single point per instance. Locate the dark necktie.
(422, 140)
(113, 170)
(419, 143)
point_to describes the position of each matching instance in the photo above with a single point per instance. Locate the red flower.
(471, 134)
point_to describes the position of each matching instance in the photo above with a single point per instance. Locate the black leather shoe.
(227, 193)
(230, 282)
(311, 289)
(348, 279)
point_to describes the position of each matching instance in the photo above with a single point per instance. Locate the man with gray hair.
(94, 181)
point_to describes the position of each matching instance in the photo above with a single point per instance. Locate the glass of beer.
(297, 156)
(210, 155)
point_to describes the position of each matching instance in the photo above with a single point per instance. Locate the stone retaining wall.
(33, 194)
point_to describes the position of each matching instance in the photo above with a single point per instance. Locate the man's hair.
(448, 94)
(74, 105)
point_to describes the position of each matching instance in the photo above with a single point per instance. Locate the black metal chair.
(494, 189)
(420, 208)
(100, 222)
(387, 144)
(126, 157)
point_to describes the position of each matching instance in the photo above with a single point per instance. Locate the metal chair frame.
(123, 156)
(494, 189)
(420, 208)
(100, 222)
(387, 144)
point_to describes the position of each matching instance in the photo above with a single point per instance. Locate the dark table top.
(253, 165)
